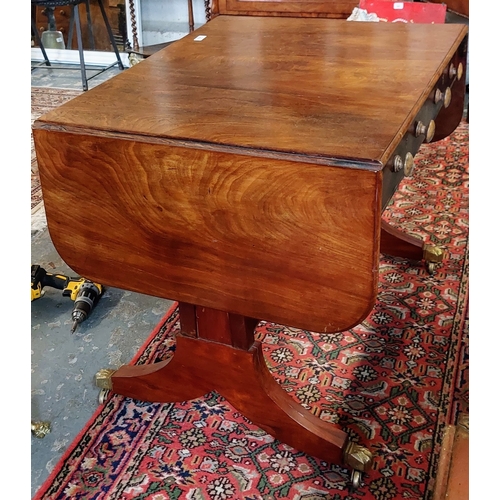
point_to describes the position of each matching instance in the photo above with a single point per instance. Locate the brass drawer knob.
(447, 97)
(443, 96)
(455, 71)
(397, 163)
(409, 165)
(428, 131)
(438, 95)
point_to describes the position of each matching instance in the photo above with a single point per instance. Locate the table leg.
(233, 364)
(399, 244)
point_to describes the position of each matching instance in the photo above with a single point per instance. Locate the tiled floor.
(63, 365)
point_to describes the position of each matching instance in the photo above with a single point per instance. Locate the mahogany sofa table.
(243, 171)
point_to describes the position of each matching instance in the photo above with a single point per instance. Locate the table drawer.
(439, 115)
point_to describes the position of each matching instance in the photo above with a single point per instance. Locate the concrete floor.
(63, 365)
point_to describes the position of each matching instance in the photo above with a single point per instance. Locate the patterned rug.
(391, 383)
(43, 99)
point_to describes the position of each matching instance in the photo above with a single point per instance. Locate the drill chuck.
(87, 296)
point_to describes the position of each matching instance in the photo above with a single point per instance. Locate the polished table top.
(244, 168)
(322, 87)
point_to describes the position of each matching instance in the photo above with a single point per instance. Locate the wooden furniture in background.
(244, 175)
(460, 7)
(452, 480)
(100, 39)
(337, 9)
(76, 25)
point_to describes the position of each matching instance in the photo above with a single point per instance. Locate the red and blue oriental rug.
(392, 383)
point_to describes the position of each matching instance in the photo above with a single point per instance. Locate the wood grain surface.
(323, 87)
(261, 238)
(243, 379)
(243, 172)
(337, 9)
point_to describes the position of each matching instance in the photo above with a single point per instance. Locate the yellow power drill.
(84, 293)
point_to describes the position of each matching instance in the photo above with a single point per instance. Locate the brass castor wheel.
(40, 429)
(103, 381)
(355, 479)
(360, 459)
(103, 395)
(431, 267)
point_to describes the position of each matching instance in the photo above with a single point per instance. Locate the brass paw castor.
(433, 255)
(360, 459)
(40, 429)
(103, 381)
